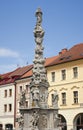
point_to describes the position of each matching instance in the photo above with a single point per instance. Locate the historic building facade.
(65, 75)
(7, 111)
(9, 97)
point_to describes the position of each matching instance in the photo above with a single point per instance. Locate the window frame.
(5, 93)
(75, 72)
(63, 97)
(63, 74)
(10, 107)
(53, 76)
(20, 89)
(10, 92)
(75, 97)
(27, 87)
(5, 107)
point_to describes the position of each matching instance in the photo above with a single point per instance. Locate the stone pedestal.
(40, 119)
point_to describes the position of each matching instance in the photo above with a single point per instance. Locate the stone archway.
(9, 127)
(1, 127)
(63, 122)
(78, 122)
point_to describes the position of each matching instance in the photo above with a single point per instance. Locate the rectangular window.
(75, 97)
(27, 88)
(10, 107)
(20, 88)
(75, 72)
(53, 76)
(5, 93)
(64, 98)
(10, 92)
(63, 74)
(5, 107)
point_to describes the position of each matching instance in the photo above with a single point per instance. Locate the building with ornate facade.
(8, 97)
(64, 73)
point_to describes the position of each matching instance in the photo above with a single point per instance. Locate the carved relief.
(39, 72)
(35, 97)
(56, 120)
(63, 89)
(34, 120)
(75, 87)
(21, 121)
(55, 99)
(43, 121)
(22, 99)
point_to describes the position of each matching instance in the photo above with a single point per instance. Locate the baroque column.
(39, 116)
(39, 84)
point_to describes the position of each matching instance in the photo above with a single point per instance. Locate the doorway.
(9, 127)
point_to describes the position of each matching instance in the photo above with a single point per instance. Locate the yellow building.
(65, 75)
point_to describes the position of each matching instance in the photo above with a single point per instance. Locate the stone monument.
(38, 116)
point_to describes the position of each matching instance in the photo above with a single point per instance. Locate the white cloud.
(7, 68)
(8, 53)
(10, 60)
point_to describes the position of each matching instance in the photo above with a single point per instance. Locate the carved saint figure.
(21, 122)
(55, 99)
(39, 16)
(44, 121)
(56, 120)
(22, 98)
(35, 119)
(35, 96)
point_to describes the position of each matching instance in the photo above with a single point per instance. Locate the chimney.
(63, 51)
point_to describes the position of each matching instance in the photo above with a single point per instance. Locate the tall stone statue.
(39, 17)
(39, 116)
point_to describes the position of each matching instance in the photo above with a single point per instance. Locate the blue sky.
(62, 23)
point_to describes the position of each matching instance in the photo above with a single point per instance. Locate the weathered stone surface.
(39, 116)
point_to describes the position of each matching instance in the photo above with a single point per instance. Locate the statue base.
(40, 119)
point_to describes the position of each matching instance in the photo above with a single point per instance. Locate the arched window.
(63, 123)
(1, 127)
(78, 122)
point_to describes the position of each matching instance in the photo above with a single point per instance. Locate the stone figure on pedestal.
(39, 116)
(35, 97)
(21, 122)
(34, 120)
(22, 99)
(55, 99)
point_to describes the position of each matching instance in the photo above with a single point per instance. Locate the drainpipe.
(15, 106)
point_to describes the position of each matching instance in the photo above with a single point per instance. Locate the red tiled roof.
(20, 71)
(74, 53)
(27, 74)
(12, 76)
(50, 60)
